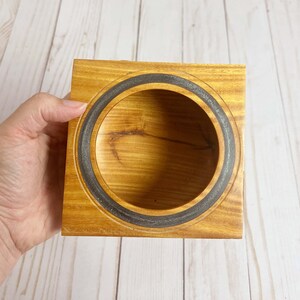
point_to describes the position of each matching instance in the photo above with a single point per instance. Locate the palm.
(33, 187)
(32, 158)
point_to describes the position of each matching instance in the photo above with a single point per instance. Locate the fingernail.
(75, 104)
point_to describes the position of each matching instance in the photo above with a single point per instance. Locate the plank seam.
(183, 267)
(59, 268)
(119, 267)
(227, 30)
(97, 31)
(245, 216)
(182, 30)
(51, 45)
(247, 256)
(138, 32)
(260, 217)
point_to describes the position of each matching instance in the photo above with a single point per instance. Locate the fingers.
(40, 110)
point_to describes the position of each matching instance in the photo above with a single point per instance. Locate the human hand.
(32, 164)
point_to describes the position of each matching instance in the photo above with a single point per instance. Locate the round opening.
(157, 149)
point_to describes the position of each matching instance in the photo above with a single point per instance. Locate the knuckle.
(40, 97)
(40, 100)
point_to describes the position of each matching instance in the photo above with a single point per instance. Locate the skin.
(32, 164)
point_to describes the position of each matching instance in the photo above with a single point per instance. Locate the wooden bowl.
(155, 154)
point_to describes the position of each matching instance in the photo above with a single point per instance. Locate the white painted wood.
(23, 282)
(26, 55)
(75, 37)
(160, 33)
(92, 272)
(153, 268)
(214, 269)
(8, 11)
(117, 34)
(284, 21)
(204, 33)
(272, 214)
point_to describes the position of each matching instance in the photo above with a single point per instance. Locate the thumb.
(40, 110)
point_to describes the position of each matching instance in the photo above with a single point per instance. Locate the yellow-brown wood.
(156, 149)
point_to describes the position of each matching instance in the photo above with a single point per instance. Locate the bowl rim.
(133, 217)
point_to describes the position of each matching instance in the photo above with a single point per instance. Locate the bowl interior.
(157, 149)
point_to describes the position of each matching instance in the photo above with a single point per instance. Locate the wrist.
(9, 254)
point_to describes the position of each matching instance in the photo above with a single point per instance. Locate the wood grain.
(226, 82)
(151, 155)
(272, 205)
(282, 19)
(15, 69)
(8, 11)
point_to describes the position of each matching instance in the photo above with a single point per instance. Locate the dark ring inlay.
(125, 214)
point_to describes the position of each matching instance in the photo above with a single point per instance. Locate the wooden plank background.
(39, 40)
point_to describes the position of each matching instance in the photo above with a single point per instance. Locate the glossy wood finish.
(157, 149)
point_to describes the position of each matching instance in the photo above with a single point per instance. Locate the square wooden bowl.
(158, 152)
